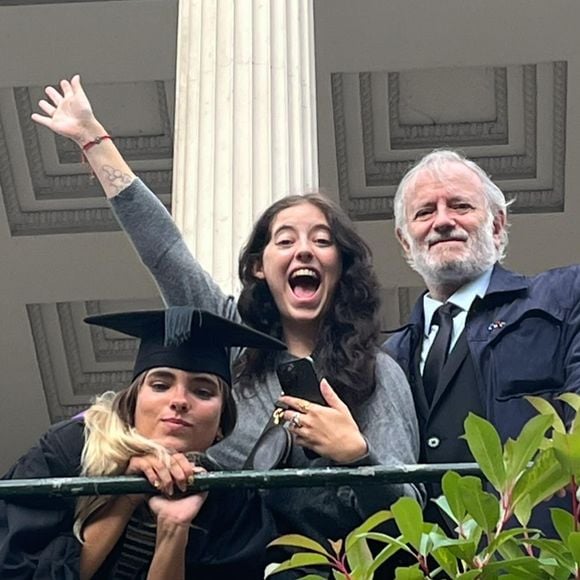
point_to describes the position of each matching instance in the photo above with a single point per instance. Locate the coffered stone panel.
(46, 187)
(384, 121)
(78, 361)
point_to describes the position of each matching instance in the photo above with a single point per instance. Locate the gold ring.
(190, 479)
(304, 406)
(278, 416)
(295, 421)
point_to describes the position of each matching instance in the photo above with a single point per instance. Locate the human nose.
(443, 219)
(304, 251)
(179, 401)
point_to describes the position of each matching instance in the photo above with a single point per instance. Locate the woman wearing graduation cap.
(177, 406)
(307, 278)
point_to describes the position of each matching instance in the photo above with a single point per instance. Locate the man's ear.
(258, 270)
(403, 240)
(499, 226)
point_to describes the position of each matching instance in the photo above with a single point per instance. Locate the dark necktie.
(439, 349)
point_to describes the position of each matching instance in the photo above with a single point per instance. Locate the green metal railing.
(323, 477)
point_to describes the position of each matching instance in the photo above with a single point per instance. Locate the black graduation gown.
(37, 542)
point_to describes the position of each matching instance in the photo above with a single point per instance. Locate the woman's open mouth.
(304, 283)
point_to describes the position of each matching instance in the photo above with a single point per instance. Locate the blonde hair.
(110, 441)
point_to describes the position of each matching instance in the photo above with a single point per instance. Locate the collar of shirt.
(463, 298)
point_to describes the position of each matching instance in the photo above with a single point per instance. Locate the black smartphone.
(298, 379)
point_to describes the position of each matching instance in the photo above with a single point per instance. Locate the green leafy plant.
(541, 461)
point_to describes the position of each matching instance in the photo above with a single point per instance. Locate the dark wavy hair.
(346, 346)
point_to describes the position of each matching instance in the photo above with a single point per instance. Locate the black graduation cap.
(185, 338)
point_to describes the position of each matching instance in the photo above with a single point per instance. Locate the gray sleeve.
(388, 421)
(159, 244)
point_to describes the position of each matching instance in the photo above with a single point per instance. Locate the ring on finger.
(295, 421)
(304, 406)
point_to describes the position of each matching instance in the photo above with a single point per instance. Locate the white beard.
(480, 254)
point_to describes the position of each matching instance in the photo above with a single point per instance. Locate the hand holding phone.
(298, 379)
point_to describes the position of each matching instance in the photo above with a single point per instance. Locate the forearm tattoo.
(115, 178)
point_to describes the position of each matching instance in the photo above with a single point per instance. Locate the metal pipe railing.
(317, 477)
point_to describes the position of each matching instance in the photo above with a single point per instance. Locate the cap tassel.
(178, 325)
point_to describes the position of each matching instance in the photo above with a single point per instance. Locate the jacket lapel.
(421, 404)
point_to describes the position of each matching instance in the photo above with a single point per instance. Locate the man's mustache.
(455, 236)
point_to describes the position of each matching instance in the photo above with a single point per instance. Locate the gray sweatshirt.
(387, 419)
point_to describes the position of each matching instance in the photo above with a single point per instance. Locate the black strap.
(439, 349)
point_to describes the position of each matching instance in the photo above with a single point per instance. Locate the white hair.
(436, 163)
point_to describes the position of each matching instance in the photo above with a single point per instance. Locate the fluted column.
(245, 120)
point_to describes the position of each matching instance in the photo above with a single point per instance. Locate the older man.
(481, 337)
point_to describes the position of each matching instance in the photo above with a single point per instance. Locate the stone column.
(245, 120)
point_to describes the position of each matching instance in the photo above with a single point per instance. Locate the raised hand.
(68, 112)
(330, 431)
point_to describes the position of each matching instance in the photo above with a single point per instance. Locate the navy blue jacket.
(523, 337)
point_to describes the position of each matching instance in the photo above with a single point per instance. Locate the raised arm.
(68, 112)
(142, 216)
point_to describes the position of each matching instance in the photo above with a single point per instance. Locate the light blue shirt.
(463, 298)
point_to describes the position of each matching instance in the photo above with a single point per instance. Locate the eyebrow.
(284, 227)
(161, 375)
(204, 378)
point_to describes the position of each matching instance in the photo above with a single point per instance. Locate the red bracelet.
(95, 141)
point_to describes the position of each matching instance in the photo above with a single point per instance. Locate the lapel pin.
(496, 324)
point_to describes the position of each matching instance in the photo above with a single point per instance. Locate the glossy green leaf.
(573, 544)
(471, 530)
(572, 399)
(381, 558)
(555, 549)
(563, 522)
(298, 560)
(358, 555)
(510, 550)
(298, 541)
(469, 575)
(526, 567)
(409, 517)
(462, 549)
(523, 510)
(410, 573)
(450, 484)
(443, 505)
(446, 560)
(482, 506)
(567, 449)
(369, 524)
(545, 408)
(336, 575)
(386, 539)
(485, 446)
(502, 538)
(542, 480)
(521, 451)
